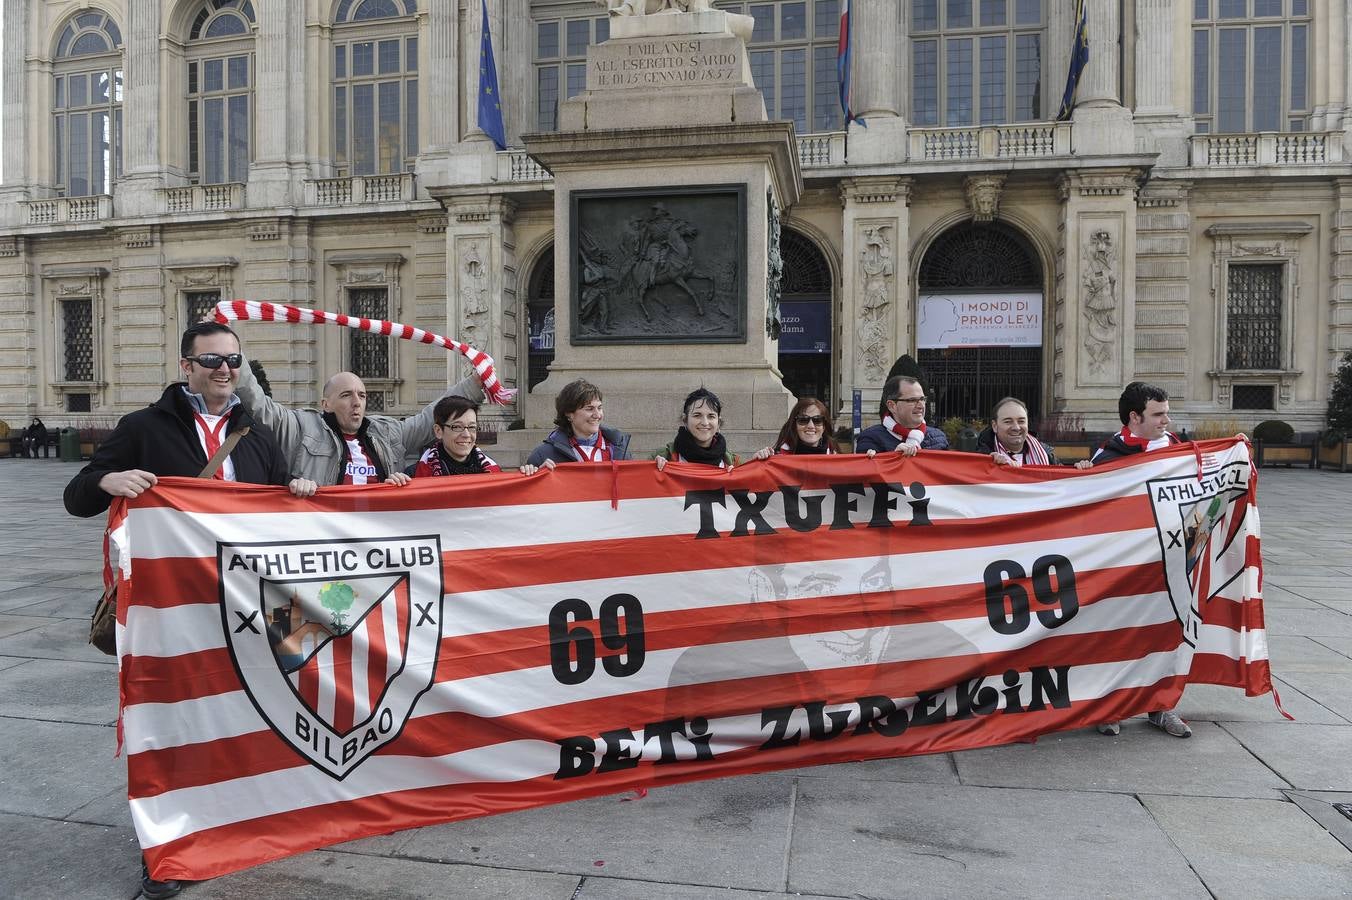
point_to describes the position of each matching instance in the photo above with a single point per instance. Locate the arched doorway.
(540, 319)
(979, 320)
(805, 318)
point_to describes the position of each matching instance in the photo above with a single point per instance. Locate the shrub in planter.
(1274, 431)
(1340, 403)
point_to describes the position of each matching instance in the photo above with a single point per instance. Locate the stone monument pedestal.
(668, 183)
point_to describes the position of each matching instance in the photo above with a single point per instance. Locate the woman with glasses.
(698, 439)
(455, 421)
(578, 434)
(807, 431)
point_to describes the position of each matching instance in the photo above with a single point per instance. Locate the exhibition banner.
(979, 320)
(300, 672)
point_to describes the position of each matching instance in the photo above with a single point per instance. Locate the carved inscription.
(679, 62)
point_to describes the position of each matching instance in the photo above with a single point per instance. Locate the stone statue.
(473, 296)
(877, 268)
(774, 273)
(1100, 300)
(737, 24)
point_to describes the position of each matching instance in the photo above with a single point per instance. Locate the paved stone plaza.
(1243, 809)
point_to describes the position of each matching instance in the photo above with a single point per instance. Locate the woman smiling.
(698, 439)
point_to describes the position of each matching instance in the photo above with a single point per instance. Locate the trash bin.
(967, 439)
(70, 445)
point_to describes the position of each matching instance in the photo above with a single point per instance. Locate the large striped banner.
(296, 673)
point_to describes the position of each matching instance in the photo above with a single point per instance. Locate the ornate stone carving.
(137, 238)
(774, 269)
(983, 196)
(739, 25)
(10, 246)
(1099, 279)
(1260, 249)
(877, 272)
(473, 297)
(75, 287)
(432, 224)
(366, 276)
(264, 231)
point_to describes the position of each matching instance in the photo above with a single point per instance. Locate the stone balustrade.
(1266, 148)
(1027, 140)
(202, 198)
(57, 210)
(360, 189)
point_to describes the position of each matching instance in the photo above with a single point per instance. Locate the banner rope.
(253, 310)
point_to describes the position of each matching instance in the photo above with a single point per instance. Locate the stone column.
(1163, 292)
(1161, 46)
(142, 162)
(481, 287)
(438, 86)
(1102, 125)
(13, 106)
(472, 159)
(881, 51)
(1095, 304)
(276, 177)
(875, 289)
(21, 360)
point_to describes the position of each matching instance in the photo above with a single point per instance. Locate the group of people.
(218, 423)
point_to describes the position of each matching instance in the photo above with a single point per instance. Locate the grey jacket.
(314, 451)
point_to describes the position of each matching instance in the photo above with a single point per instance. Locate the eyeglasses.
(457, 428)
(920, 399)
(811, 420)
(215, 360)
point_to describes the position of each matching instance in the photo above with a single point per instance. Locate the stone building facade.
(1189, 224)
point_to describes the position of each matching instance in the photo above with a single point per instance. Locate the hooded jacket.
(558, 448)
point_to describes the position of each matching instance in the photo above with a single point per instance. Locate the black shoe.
(157, 890)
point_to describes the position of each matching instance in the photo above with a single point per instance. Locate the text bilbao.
(503, 642)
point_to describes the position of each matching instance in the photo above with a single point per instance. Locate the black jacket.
(556, 446)
(1116, 448)
(161, 439)
(882, 440)
(985, 443)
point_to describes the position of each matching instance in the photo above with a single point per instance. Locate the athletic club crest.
(1200, 524)
(334, 642)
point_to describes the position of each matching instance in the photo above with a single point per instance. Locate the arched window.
(793, 59)
(87, 106)
(977, 62)
(375, 86)
(220, 91)
(1250, 65)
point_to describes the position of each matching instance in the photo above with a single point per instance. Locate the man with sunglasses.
(178, 433)
(903, 427)
(339, 443)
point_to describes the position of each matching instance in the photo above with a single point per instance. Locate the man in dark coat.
(903, 427)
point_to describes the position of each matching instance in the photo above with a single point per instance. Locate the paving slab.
(1310, 757)
(1254, 848)
(1291, 653)
(57, 639)
(1341, 645)
(932, 768)
(7, 662)
(1274, 596)
(1315, 623)
(110, 809)
(325, 874)
(594, 888)
(25, 598)
(52, 769)
(44, 858)
(1319, 805)
(1211, 763)
(881, 840)
(71, 603)
(730, 832)
(10, 624)
(60, 691)
(1329, 689)
(1217, 703)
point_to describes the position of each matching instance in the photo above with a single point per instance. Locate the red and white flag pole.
(252, 310)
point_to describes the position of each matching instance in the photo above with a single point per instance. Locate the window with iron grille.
(196, 304)
(375, 87)
(1253, 396)
(78, 403)
(369, 354)
(1250, 65)
(1253, 317)
(220, 92)
(77, 334)
(87, 106)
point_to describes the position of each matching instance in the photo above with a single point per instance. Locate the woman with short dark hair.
(578, 434)
(698, 439)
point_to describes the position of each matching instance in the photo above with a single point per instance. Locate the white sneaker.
(1113, 729)
(1169, 722)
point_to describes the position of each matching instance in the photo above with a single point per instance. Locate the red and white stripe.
(733, 626)
(252, 310)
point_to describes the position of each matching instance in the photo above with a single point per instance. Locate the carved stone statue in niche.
(473, 297)
(658, 267)
(739, 25)
(774, 273)
(1100, 300)
(877, 270)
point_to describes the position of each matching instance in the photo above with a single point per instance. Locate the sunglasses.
(215, 360)
(811, 420)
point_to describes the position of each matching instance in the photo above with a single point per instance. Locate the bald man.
(339, 443)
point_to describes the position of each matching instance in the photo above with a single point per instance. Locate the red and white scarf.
(595, 453)
(240, 310)
(1032, 454)
(210, 431)
(908, 435)
(1159, 443)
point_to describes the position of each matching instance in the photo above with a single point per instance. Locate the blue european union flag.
(490, 101)
(1079, 58)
